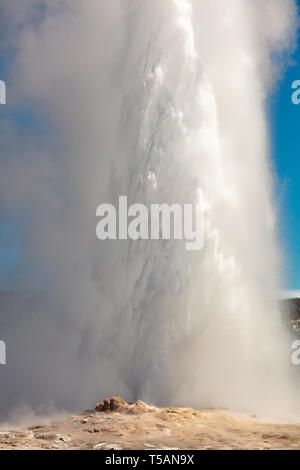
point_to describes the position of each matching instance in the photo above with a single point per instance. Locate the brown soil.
(116, 424)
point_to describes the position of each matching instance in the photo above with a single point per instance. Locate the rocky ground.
(116, 424)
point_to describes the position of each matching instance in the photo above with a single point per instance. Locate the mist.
(155, 100)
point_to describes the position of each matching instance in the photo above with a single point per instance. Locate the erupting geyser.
(156, 100)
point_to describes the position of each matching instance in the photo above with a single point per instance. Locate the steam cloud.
(155, 100)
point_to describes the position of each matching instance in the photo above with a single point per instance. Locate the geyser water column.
(203, 328)
(159, 100)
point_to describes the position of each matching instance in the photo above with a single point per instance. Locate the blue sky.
(285, 141)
